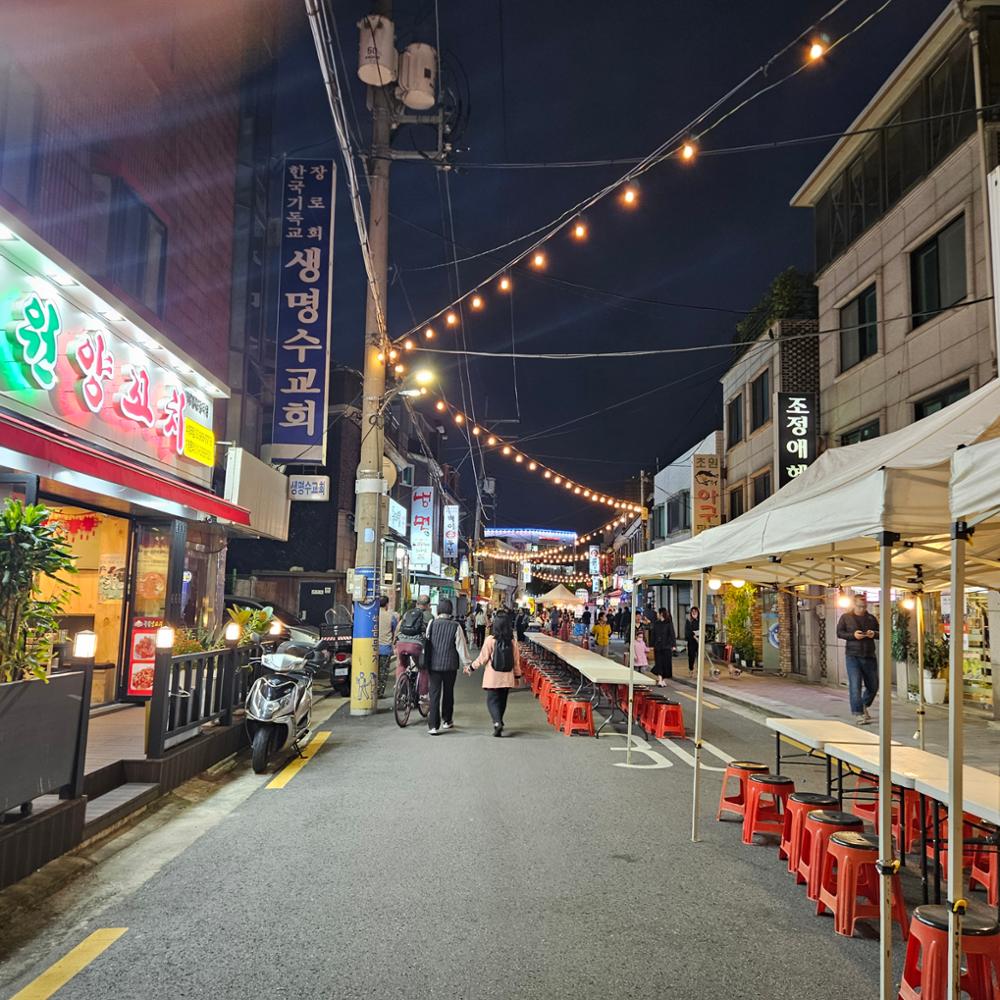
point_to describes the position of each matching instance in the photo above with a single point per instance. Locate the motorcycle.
(279, 704)
(336, 632)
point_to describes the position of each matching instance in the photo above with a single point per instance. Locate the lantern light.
(630, 195)
(688, 151)
(506, 449)
(579, 231)
(532, 466)
(738, 584)
(817, 50)
(477, 302)
(505, 284)
(557, 480)
(429, 333)
(844, 599)
(393, 355)
(715, 584)
(380, 357)
(407, 345)
(232, 633)
(399, 369)
(538, 260)
(451, 319)
(519, 458)
(548, 475)
(476, 432)
(165, 637)
(459, 419)
(909, 603)
(85, 645)
(491, 440)
(439, 406)
(576, 489)
(422, 376)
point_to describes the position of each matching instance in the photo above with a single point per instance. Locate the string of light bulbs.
(564, 578)
(545, 555)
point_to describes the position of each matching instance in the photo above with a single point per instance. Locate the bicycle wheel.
(401, 700)
(423, 703)
(384, 672)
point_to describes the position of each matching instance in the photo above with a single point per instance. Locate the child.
(602, 634)
(641, 659)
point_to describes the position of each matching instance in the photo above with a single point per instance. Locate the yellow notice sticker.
(199, 443)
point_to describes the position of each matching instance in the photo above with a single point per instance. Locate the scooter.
(279, 704)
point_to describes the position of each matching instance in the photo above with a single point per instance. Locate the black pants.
(442, 697)
(496, 702)
(692, 654)
(663, 665)
(480, 635)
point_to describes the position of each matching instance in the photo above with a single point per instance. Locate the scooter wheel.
(260, 750)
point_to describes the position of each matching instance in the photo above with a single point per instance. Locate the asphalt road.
(395, 864)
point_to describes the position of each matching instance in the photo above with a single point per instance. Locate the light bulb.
(688, 151)
(429, 333)
(532, 466)
(506, 449)
(817, 50)
(491, 440)
(439, 406)
(451, 319)
(548, 475)
(505, 284)
(538, 260)
(423, 377)
(557, 480)
(407, 345)
(399, 369)
(909, 603)
(579, 231)
(393, 355)
(576, 489)
(380, 356)
(519, 458)
(844, 600)
(630, 196)
(738, 584)
(477, 302)
(476, 431)
(569, 485)
(459, 419)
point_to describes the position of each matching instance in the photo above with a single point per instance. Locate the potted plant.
(936, 652)
(738, 603)
(902, 648)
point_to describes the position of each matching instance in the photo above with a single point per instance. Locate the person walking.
(586, 619)
(626, 622)
(446, 654)
(387, 623)
(501, 663)
(691, 629)
(859, 629)
(564, 627)
(410, 641)
(615, 621)
(641, 650)
(480, 625)
(664, 638)
(602, 635)
(521, 623)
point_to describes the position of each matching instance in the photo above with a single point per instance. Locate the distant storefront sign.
(526, 573)
(421, 527)
(315, 488)
(435, 564)
(302, 360)
(451, 531)
(798, 436)
(705, 493)
(397, 517)
(594, 556)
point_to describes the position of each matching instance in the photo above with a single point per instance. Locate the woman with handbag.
(501, 668)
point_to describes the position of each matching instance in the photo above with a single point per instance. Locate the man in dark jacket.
(448, 654)
(859, 628)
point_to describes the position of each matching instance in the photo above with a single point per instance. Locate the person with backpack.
(410, 641)
(501, 664)
(445, 652)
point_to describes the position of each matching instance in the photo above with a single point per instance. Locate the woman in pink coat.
(501, 668)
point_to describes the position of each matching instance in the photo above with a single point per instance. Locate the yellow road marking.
(704, 701)
(57, 976)
(308, 751)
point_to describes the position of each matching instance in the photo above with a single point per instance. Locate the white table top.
(980, 792)
(909, 764)
(596, 668)
(816, 733)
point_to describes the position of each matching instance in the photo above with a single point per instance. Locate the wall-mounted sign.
(595, 584)
(798, 438)
(302, 361)
(435, 564)
(69, 369)
(421, 527)
(594, 557)
(463, 567)
(451, 531)
(397, 517)
(142, 656)
(582, 594)
(705, 493)
(313, 488)
(526, 573)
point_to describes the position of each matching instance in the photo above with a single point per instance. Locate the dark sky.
(590, 80)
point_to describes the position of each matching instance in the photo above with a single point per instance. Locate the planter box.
(935, 690)
(43, 737)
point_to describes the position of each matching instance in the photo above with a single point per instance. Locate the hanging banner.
(302, 362)
(798, 434)
(594, 554)
(421, 527)
(706, 504)
(526, 573)
(397, 517)
(451, 531)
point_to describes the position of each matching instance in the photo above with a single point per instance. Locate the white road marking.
(687, 757)
(639, 745)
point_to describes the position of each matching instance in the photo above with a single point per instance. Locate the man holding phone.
(859, 628)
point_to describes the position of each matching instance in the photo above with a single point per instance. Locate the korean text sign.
(705, 493)
(421, 527)
(798, 418)
(451, 531)
(302, 362)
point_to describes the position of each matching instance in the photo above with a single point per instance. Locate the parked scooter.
(279, 704)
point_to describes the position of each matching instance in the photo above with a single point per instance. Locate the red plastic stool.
(849, 872)
(767, 796)
(740, 771)
(819, 827)
(576, 716)
(911, 817)
(926, 965)
(986, 870)
(662, 718)
(797, 806)
(867, 809)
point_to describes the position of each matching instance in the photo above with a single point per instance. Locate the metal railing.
(194, 690)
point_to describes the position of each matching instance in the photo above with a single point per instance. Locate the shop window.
(20, 136)
(937, 272)
(858, 329)
(760, 400)
(931, 404)
(734, 421)
(761, 487)
(736, 503)
(863, 433)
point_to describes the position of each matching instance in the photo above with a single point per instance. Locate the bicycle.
(406, 697)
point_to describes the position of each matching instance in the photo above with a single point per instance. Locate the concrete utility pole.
(370, 483)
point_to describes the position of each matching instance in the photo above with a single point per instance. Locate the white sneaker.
(867, 717)
(861, 720)
(433, 732)
(447, 725)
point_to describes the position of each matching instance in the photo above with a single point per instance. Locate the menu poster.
(142, 656)
(111, 577)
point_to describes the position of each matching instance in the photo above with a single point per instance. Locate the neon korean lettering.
(38, 336)
(172, 421)
(96, 364)
(133, 399)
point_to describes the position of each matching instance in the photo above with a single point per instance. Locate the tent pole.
(921, 710)
(887, 864)
(698, 706)
(956, 749)
(631, 673)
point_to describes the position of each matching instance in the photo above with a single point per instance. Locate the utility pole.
(370, 483)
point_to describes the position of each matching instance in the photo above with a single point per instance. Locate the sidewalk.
(790, 697)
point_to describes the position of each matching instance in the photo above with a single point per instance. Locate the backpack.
(412, 624)
(503, 656)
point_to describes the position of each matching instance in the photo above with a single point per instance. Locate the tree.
(738, 602)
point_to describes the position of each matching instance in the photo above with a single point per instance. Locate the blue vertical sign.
(302, 362)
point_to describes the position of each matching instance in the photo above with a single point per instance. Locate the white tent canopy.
(559, 595)
(823, 527)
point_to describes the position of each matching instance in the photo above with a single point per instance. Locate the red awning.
(50, 446)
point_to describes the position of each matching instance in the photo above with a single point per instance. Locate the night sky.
(592, 80)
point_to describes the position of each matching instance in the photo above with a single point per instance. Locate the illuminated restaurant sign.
(797, 431)
(69, 369)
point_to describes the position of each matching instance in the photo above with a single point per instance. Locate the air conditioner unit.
(406, 475)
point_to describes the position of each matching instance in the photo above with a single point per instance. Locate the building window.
(931, 404)
(20, 153)
(658, 514)
(736, 504)
(734, 421)
(127, 241)
(937, 272)
(761, 487)
(679, 512)
(863, 433)
(858, 329)
(760, 400)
